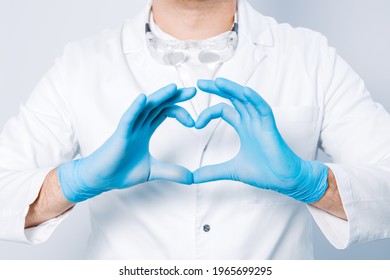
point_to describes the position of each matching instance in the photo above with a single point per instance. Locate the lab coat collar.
(254, 40)
(252, 25)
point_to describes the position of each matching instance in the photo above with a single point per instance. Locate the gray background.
(33, 34)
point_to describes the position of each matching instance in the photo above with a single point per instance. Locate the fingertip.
(186, 93)
(192, 88)
(198, 178)
(195, 177)
(220, 80)
(169, 89)
(191, 91)
(189, 122)
(186, 177)
(172, 86)
(142, 98)
(183, 117)
(202, 83)
(190, 179)
(192, 121)
(199, 125)
(201, 122)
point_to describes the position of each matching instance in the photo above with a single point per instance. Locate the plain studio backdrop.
(33, 34)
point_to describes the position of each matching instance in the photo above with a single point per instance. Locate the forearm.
(331, 201)
(50, 202)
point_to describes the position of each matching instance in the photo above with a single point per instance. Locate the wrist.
(49, 204)
(331, 201)
(313, 183)
(318, 182)
(71, 184)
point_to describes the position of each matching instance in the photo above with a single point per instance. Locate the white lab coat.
(318, 101)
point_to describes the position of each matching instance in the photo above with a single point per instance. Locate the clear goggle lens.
(175, 52)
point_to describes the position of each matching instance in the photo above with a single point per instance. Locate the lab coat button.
(206, 228)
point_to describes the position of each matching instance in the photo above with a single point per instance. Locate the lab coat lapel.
(255, 38)
(244, 63)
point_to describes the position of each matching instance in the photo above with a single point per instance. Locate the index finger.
(223, 88)
(160, 96)
(156, 99)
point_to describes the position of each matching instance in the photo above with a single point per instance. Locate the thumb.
(213, 173)
(170, 172)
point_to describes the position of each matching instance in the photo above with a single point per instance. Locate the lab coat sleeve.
(356, 135)
(32, 144)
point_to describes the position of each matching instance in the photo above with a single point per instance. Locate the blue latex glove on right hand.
(124, 159)
(264, 160)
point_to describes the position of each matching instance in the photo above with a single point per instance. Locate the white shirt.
(318, 102)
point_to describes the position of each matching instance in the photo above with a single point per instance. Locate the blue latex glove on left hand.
(264, 159)
(124, 159)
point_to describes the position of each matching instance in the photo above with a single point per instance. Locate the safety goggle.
(174, 52)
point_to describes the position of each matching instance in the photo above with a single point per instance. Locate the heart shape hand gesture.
(264, 159)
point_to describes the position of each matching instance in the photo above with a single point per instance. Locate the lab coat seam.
(321, 118)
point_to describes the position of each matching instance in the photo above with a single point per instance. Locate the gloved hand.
(264, 159)
(124, 159)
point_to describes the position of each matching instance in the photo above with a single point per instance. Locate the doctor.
(224, 171)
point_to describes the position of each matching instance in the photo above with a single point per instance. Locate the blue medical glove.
(124, 159)
(264, 159)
